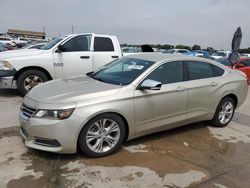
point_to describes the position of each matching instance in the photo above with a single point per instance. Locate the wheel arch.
(106, 112)
(19, 72)
(232, 96)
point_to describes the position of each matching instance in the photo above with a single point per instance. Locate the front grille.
(27, 111)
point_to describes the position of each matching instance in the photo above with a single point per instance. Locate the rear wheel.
(224, 112)
(29, 79)
(102, 135)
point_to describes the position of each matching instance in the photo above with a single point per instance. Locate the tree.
(196, 47)
(182, 47)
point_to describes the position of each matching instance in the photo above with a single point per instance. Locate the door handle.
(213, 84)
(115, 56)
(180, 88)
(84, 57)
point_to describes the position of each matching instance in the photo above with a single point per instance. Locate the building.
(26, 34)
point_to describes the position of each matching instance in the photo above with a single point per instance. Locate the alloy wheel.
(103, 135)
(226, 112)
(31, 81)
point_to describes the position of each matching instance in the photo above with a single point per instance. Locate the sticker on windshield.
(137, 67)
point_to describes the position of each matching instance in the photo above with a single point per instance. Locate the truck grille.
(27, 111)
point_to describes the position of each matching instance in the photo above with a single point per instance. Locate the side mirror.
(150, 84)
(60, 49)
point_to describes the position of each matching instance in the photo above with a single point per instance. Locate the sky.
(188, 22)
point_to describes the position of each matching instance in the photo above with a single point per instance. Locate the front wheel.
(29, 79)
(102, 135)
(224, 112)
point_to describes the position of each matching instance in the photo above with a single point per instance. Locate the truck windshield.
(52, 43)
(122, 71)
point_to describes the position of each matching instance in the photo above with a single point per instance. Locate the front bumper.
(7, 79)
(58, 136)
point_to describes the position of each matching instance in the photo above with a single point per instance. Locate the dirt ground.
(197, 155)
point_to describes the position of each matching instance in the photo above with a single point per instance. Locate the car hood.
(71, 90)
(20, 53)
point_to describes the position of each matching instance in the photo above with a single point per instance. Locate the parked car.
(130, 97)
(199, 53)
(243, 64)
(221, 54)
(176, 51)
(7, 41)
(5, 47)
(2, 47)
(64, 56)
(35, 46)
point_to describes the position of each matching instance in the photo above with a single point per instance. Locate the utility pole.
(72, 29)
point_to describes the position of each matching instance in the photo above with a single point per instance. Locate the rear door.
(75, 59)
(158, 109)
(104, 51)
(202, 89)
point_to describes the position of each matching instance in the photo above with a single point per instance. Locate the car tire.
(29, 79)
(224, 112)
(102, 135)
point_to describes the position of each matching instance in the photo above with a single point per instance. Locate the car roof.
(157, 57)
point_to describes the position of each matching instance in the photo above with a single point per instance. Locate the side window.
(78, 43)
(217, 70)
(103, 44)
(168, 73)
(199, 70)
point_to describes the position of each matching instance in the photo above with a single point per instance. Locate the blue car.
(199, 53)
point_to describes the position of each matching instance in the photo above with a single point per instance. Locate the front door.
(159, 109)
(75, 58)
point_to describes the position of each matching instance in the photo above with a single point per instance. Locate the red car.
(243, 65)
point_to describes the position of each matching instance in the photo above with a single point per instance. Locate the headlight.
(54, 114)
(5, 65)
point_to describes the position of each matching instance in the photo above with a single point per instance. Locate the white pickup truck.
(62, 57)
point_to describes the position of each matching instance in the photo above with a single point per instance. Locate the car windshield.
(122, 71)
(51, 43)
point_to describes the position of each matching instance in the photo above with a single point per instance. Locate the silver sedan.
(129, 97)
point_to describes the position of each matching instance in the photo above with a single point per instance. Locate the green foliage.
(245, 50)
(183, 47)
(196, 47)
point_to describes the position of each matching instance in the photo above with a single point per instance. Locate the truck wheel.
(29, 79)
(224, 112)
(102, 135)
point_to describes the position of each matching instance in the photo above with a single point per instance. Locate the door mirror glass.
(150, 84)
(60, 48)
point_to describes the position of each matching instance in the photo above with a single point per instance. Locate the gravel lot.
(196, 155)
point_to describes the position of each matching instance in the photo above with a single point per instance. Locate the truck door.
(73, 57)
(104, 51)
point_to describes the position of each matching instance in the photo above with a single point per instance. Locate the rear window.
(103, 44)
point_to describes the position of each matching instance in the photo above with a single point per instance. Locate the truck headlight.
(5, 65)
(54, 114)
